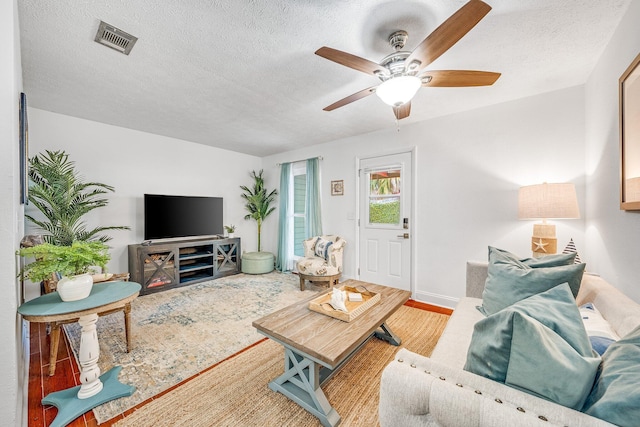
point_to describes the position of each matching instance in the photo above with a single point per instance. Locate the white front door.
(384, 220)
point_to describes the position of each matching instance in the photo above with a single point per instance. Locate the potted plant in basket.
(72, 262)
(258, 201)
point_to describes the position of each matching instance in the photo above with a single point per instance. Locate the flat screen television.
(181, 216)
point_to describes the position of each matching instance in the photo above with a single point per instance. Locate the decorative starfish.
(540, 246)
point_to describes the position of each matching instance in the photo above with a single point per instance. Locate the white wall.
(136, 163)
(469, 168)
(12, 334)
(612, 241)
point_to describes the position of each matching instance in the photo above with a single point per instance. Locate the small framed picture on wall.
(337, 188)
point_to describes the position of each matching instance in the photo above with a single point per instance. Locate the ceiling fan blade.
(459, 78)
(402, 111)
(349, 99)
(351, 61)
(448, 33)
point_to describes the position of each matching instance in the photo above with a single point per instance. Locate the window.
(299, 198)
(300, 211)
(384, 197)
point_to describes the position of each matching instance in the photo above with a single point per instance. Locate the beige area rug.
(236, 393)
(181, 332)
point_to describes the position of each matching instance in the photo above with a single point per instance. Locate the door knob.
(404, 236)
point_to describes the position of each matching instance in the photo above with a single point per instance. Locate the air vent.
(115, 38)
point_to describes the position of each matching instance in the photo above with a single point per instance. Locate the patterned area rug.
(235, 393)
(180, 332)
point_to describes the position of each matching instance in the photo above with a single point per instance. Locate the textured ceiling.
(242, 75)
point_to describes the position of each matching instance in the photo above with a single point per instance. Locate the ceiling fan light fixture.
(398, 90)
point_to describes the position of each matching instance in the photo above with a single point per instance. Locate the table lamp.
(547, 201)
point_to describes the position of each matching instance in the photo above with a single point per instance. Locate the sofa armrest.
(620, 311)
(476, 277)
(419, 391)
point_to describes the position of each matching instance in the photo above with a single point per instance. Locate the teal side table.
(95, 389)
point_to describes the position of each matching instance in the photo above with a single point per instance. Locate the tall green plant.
(258, 201)
(63, 198)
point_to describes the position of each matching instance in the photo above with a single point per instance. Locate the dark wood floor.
(41, 384)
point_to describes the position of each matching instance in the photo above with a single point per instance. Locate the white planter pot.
(230, 235)
(75, 288)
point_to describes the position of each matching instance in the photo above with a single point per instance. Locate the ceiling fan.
(401, 72)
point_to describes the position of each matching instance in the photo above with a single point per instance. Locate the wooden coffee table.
(316, 345)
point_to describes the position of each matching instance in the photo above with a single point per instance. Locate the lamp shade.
(398, 90)
(543, 201)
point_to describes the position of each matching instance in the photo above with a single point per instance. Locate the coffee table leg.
(388, 335)
(301, 383)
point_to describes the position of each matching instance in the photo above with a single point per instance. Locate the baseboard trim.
(437, 299)
(428, 307)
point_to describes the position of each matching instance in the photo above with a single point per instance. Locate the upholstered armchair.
(322, 260)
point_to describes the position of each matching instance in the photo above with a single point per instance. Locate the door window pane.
(384, 197)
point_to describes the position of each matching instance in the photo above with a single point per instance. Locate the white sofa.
(435, 391)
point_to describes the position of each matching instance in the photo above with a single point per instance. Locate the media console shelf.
(166, 265)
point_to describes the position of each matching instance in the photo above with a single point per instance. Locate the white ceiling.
(242, 75)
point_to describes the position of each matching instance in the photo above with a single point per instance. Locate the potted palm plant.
(72, 262)
(63, 197)
(258, 201)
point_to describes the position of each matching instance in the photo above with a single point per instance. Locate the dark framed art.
(24, 151)
(629, 95)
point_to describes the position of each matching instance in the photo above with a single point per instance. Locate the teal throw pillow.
(616, 395)
(538, 345)
(555, 260)
(510, 280)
